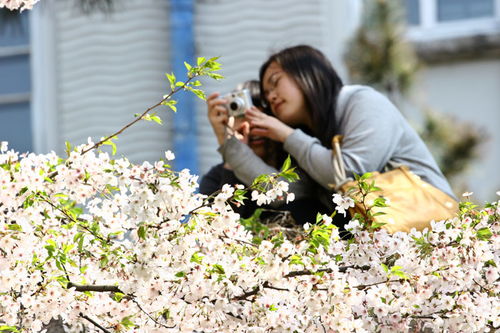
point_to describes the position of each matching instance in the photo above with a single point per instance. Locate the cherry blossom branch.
(69, 217)
(481, 286)
(138, 118)
(364, 286)
(342, 269)
(96, 288)
(266, 284)
(96, 324)
(150, 317)
(225, 236)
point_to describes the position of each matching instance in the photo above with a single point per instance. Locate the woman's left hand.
(263, 125)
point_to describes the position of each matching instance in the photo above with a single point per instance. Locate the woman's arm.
(372, 129)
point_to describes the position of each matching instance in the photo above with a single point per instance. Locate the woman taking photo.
(247, 156)
(311, 105)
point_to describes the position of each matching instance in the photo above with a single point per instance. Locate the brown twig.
(72, 219)
(96, 288)
(96, 324)
(150, 317)
(139, 117)
(342, 269)
(364, 286)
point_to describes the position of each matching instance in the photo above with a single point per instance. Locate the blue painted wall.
(184, 121)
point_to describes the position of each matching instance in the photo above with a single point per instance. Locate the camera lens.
(236, 104)
(233, 106)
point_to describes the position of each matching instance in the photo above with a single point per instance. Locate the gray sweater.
(375, 133)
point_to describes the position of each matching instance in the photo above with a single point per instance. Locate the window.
(430, 19)
(15, 81)
(413, 12)
(450, 10)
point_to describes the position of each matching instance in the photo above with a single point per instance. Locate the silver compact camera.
(237, 102)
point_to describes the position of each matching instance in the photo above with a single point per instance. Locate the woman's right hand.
(217, 115)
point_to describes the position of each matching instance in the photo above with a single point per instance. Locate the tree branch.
(150, 317)
(96, 288)
(342, 269)
(96, 324)
(139, 117)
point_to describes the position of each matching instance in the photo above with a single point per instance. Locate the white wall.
(109, 67)
(471, 91)
(245, 33)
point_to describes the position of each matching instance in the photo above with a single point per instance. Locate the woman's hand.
(217, 115)
(239, 128)
(263, 125)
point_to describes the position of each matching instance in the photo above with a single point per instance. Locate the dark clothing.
(302, 210)
(216, 178)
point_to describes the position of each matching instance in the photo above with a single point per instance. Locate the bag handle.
(339, 176)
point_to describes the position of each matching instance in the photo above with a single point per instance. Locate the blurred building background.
(73, 69)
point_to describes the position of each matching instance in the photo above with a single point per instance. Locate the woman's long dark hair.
(317, 80)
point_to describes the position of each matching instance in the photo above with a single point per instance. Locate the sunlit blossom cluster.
(18, 4)
(107, 244)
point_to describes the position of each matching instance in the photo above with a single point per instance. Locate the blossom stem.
(342, 269)
(139, 117)
(96, 288)
(150, 317)
(96, 324)
(364, 286)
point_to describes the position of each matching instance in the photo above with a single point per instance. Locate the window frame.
(430, 28)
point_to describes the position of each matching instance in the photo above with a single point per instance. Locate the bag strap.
(339, 176)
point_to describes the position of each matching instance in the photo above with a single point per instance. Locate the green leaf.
(171, 104)
(180, 274)
(260, 179)
(385, 268)
(117, 297)
(141, 232)
(127, 322)
(376, 225)
(6, 328)
(110, 142)
(156, 119)
(273, 308)
(218, 269)
(379, 202)
(104, 261)
(215, 76)
(68, 148)
(171, 79)
(400, 274)
(196, 258)
(286, 164)
(165, 314)
(200, 61)
(490, 262)
(199, 93)
(14, 227)
(296, 260)
(365, 176)
(188, 66)
(484, 233)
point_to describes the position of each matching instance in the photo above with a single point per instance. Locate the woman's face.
(285, 97)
